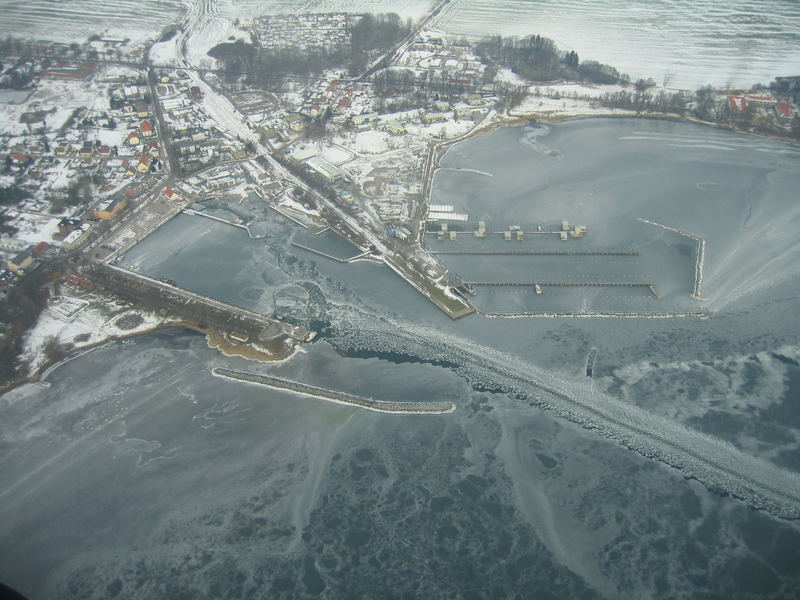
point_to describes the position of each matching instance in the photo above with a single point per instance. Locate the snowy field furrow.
(681, 44)
(75, 21)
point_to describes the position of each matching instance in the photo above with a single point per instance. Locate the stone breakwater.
(414, 408)
(701, 248)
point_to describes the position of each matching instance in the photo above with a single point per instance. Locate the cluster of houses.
(440, 61)
(111, 143)
(196, 139)
(23, 259)
(758, 104)
(328, 31)
(247, 179)
(340, 99)
(353, 106)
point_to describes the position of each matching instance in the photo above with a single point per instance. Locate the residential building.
(435, 117)
(114, 205)
(21, 261)
(146, 127)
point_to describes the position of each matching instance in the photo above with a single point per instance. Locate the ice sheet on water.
(718, 464)
(530, 139)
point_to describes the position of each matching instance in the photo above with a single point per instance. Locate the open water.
(134, 473)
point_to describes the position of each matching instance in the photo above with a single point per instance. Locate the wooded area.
(537, 58)
(269, 69)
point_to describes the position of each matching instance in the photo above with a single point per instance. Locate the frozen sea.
(132, 472)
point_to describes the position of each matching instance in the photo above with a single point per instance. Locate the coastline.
(219, 342)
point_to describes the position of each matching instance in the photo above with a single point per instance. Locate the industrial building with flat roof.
(328, 171)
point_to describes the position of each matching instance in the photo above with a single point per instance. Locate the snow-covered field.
(680, 43)
(63, 96)
(75, 21)
(34, 228)
(245, 8)
(87, 321)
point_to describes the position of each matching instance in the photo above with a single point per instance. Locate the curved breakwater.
(417, 408)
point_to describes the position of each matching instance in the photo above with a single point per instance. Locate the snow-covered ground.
(371, 142)
(336, 154)
(34, 228)
(63, 96)
(87, 321)
(682, 43)
(562, 107)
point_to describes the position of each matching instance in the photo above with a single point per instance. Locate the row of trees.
(20, 310)
(374, 35)
(12, 195)
(661, 102)
(394, 82)
(537, 58)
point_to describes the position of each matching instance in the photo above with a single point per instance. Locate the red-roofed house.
(20, 159)
(173, 195)
(144, 163)
(79, 281)
(784, 110)
(737, 103)
(146, 128)
(133, 139)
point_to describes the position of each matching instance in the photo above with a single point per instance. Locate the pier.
(288, 216)
(538, 252)
(698, 265)
(397, 408)
(362, 255)
(540, 284)
(197, 213)
(313, 251)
